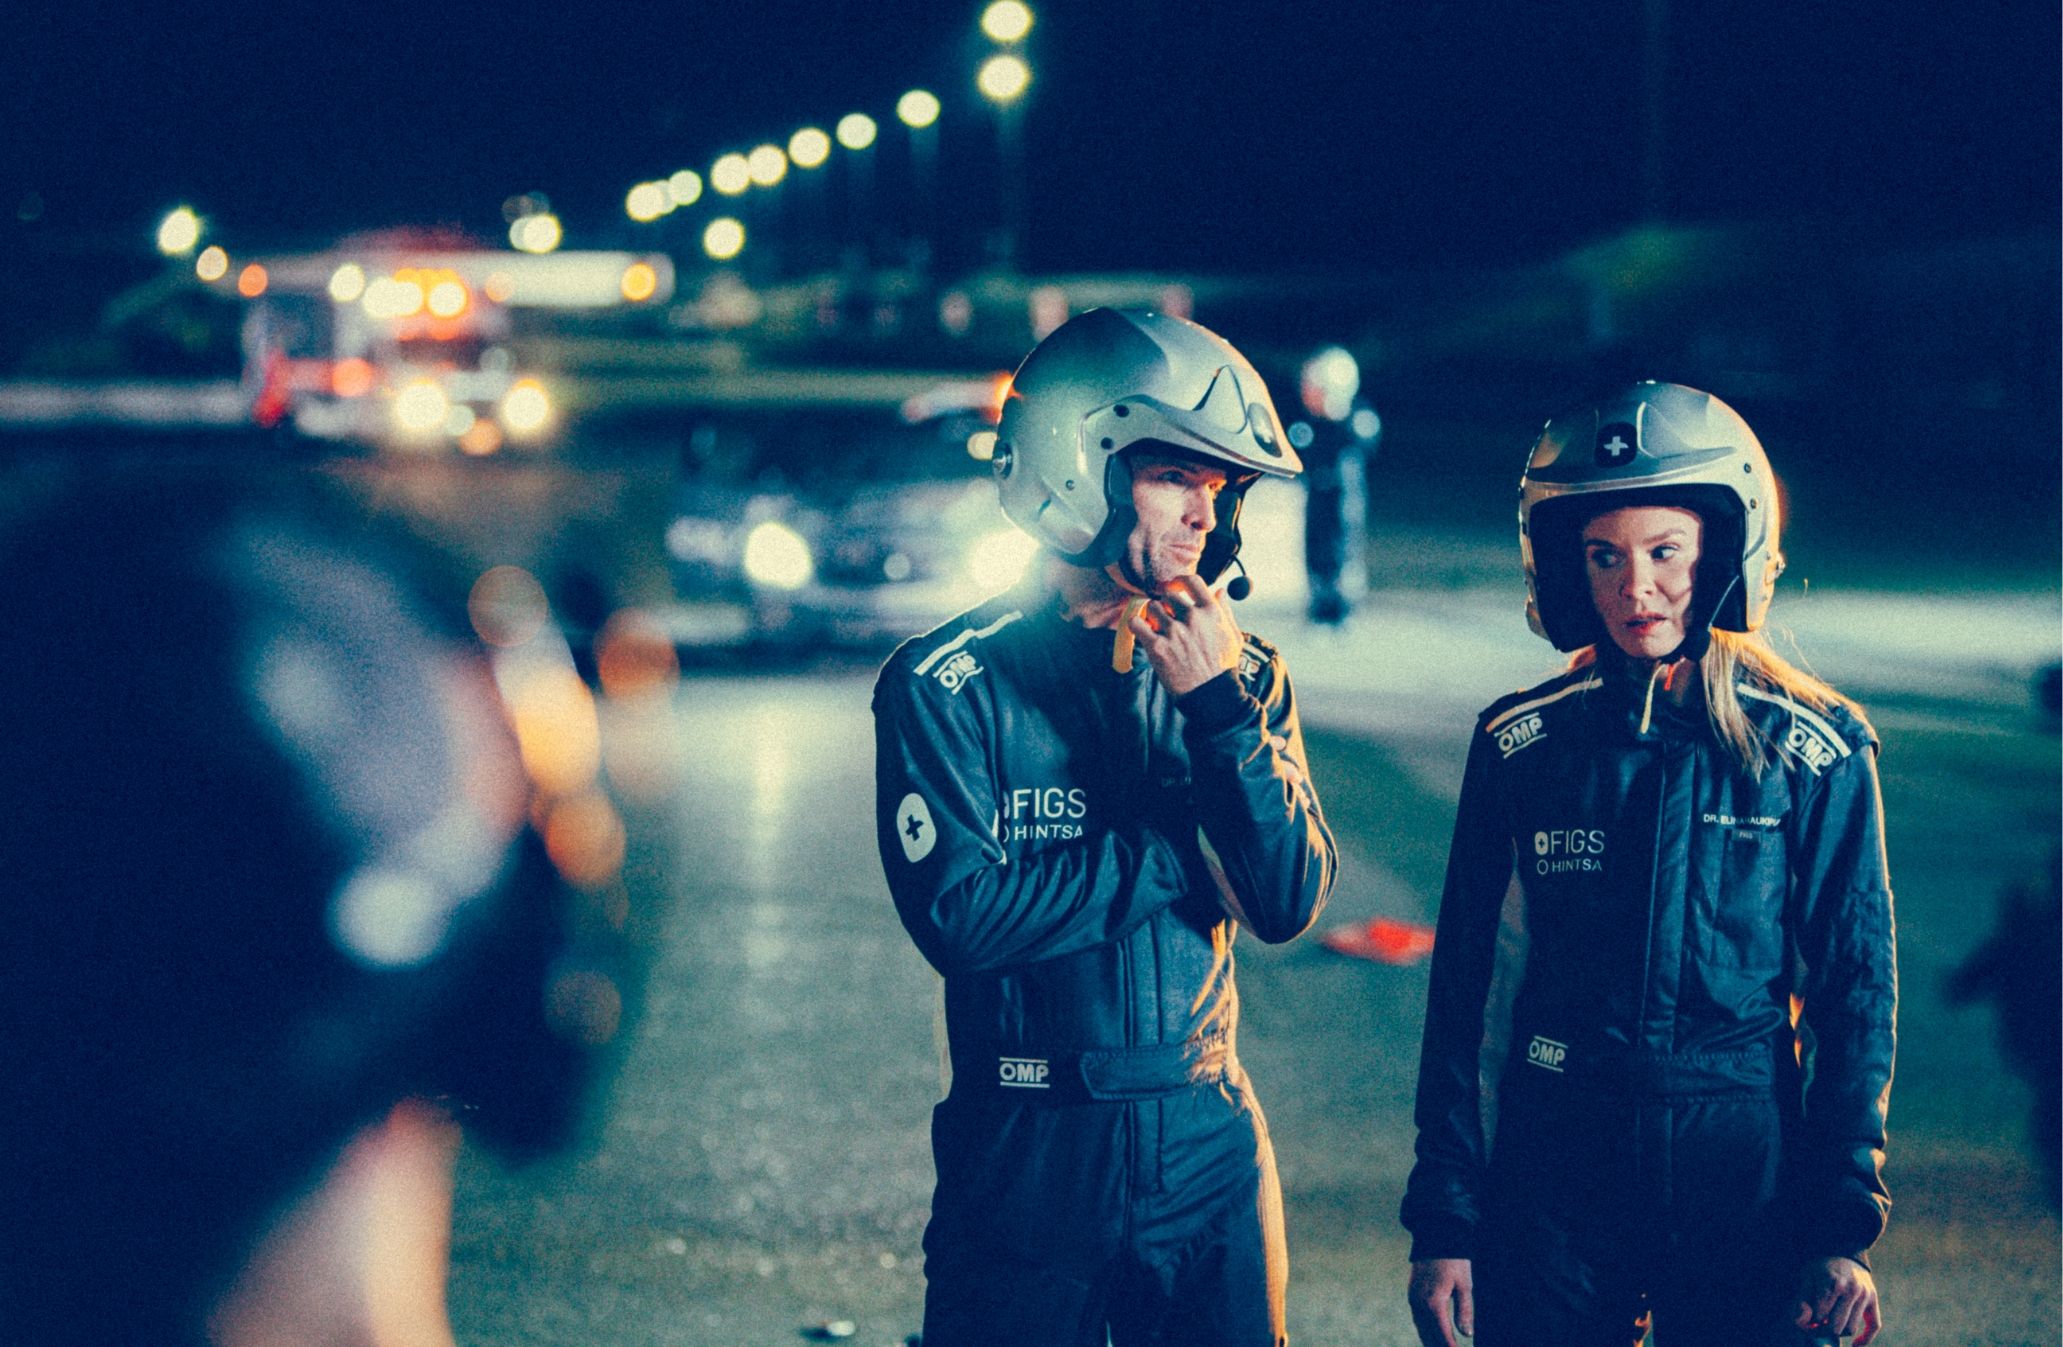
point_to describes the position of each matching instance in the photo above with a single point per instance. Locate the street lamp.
(684, 188)
(540, 233)
(646, 202)
(767, 165)
(809, 147)
(917, 109)
(856, 130)
(723, 239)
(731, 175)
(179, 232)
(1006, 21)
(1002, 79)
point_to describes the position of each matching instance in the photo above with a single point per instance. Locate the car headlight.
(526, 408)
(420, 408)
(997, 560)
(777, 556)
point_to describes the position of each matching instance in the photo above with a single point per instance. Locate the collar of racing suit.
(1635, 700)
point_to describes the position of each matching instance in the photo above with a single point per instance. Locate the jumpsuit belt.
(1032, 1076)
(1756, 1069)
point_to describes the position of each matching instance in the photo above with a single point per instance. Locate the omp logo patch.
(1546, 1053)
(956, 671)
(914, 827)
(1563, 851)
(1023, 1073)
(1520, 734)
(1810, 749)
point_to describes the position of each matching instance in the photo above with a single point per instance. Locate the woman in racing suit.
(1658, 1042)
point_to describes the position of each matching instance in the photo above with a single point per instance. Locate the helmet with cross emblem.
(1650, 444)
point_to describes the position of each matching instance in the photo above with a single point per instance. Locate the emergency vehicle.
(402, 342)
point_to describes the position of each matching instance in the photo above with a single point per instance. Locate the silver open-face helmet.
(1650, 444)
(1110, 380)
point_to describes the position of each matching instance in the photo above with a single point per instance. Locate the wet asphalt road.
(763, 1167)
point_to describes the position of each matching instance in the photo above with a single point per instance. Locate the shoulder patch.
(1810, 737)
(955, 661)
(1531, 702)
(1521, 720)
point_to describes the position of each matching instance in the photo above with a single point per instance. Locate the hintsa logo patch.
(1042, 813)
(1520, 734)
(914, 826)
(956, 671)
(1564, 851)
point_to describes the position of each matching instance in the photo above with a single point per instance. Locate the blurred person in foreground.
(1082, 786)
(278, 926)
(1661, 858)
(1337, 437)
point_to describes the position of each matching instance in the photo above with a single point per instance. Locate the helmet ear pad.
(1562, 584)
(1108, 546)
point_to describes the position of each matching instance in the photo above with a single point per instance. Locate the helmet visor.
(1226, 426)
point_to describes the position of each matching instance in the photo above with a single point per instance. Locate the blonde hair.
(1735, 657)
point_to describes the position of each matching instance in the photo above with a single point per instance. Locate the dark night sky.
(1213, 136)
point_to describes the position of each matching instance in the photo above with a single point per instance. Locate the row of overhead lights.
(1002, 79)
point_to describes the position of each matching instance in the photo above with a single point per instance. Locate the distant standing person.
(1681, 840)
(1081, 787)
(1337, 436)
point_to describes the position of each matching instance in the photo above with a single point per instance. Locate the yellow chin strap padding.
(1121, 649)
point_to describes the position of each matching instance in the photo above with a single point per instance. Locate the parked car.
(846, 528)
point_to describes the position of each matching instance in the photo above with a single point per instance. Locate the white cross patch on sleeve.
(914, 826)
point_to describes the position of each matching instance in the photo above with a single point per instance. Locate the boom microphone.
(1239, 586)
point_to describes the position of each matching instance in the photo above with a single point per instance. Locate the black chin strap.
(1697, 632)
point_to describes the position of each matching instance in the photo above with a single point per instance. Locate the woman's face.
(1640, 562)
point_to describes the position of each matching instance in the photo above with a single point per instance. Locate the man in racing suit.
(1070, 835)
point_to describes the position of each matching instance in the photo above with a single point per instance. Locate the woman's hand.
(1837, 1297)
(1443, 1298)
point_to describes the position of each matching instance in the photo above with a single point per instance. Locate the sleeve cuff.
(1216, 705)
(1443, 1239)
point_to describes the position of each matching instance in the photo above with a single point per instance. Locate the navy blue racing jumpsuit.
(1631, 926)
(1070, 848)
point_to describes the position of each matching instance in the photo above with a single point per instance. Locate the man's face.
(1176, 500)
